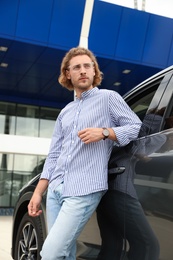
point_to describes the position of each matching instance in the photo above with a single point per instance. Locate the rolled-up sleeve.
(127, 124)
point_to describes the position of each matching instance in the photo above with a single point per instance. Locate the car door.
(154, 166)
(148, 160)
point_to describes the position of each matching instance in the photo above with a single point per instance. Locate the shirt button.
(72, 141)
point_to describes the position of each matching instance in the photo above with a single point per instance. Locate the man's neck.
(79, 91)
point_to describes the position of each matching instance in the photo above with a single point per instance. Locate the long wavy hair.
(64, 81)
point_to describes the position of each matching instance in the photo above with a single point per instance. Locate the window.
(27, 120)
(7, 118)
(145, 104)
(47, 121)
(140, 103)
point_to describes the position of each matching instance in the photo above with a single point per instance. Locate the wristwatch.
(105, 133)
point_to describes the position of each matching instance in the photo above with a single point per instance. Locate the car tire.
(29, 239)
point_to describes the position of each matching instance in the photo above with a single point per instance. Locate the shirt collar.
(88, 93)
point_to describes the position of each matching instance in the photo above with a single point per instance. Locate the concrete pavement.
(5, 237)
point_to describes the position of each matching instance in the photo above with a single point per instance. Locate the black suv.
(152, 101)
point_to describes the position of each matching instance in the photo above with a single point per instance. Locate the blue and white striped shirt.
(84, 167)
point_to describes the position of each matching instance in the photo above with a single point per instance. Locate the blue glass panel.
(66, 23)
(158, 41)
(104, 29)
(132, 34)
(8, 17)
(34, 20)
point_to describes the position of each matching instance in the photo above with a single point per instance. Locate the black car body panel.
(150, 158)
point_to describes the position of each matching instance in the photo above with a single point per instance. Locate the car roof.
(150, 79)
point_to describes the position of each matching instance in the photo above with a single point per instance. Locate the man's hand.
(90, 135)
(35, 202)
(34, 205)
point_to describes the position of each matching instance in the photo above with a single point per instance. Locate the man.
(75, 170)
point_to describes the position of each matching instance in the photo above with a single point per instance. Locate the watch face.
(105, 133)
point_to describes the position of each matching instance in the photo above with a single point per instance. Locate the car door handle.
(117, 170)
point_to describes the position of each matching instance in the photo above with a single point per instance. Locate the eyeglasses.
(77, 67)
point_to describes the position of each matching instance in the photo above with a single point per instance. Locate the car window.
(140, 107)
(164, 111)
(146, 104)
(168, 122)
(141, 102)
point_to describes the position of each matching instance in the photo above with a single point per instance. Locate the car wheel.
(29, 239)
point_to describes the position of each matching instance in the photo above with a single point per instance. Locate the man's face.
(81, 73)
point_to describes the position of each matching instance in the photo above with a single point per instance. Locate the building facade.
(130, 46)
(17, 167)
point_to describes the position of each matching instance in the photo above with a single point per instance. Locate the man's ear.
(68, 74)
(94, 72)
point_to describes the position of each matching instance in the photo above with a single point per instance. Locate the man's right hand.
(34, 205)
(35, 202)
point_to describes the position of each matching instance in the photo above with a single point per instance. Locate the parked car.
(152, 152)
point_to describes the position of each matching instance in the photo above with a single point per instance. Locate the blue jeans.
(66, 218)
(121, 217)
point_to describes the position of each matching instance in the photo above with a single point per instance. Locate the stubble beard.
(84, 85)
